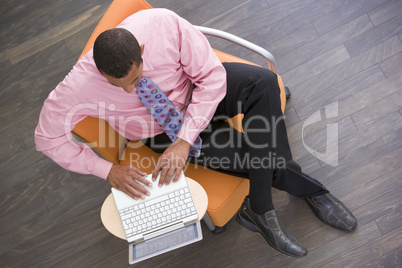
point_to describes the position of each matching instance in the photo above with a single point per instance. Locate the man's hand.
(172, 160)
(125, 177)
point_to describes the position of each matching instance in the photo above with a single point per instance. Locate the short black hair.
(115, 51)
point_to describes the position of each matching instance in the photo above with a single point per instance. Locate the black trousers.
(262, 153)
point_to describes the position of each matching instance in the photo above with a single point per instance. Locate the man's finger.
(133, 192)
(134, 184)
(157, 169)
(163, 164)
(145, 181)
(177, 174)
(163, 175)
(140, 177)
(138, 170)
(170, 175)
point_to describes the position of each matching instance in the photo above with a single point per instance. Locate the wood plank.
(20, 123)
(21, 100)
(376, 208)
(71, 236)
(392, 65)
(289, 42)
(88, 257)
(385, 12)
(162, 4)
(304, 15)
(11, 146)
(39, 80)
(21, 216)
(368, 77)
(55, 55)
(42, 41)
(16, 17)
(114, 245)
(316, 66)
(353, 105)
(367, 116)
(34, 187)
(10, 8)
(291, 117)
(28, 138)
(361, 148)
(70, 208)
(371, 176)
(310, 164)
(346, 69)
(376, 249)
(324, 43)
(263, 254)
(63, 195)
(338, 247)
(267, 17)
(184, 8)
(19, 161)
(231, 16)
(77, 41)
(390, 221)
(375, 36)
(347, 161)
(283, 27)
(206, 10)
(392, 259)
(321, 139)
(346, 13)
(38, 15)
(41, 168)
(118, 260)
(393, 137)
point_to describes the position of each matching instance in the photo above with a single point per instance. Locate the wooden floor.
(342, 60)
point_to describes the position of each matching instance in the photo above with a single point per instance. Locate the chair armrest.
(239, 41)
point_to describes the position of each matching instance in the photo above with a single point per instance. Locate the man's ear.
(142, 49)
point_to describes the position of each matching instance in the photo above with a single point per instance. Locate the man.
(157, 50)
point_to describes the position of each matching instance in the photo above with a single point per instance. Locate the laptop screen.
(164, 243)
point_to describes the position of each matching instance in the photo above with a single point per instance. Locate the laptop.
(168, 208)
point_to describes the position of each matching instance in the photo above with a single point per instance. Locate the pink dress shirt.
(177, 57)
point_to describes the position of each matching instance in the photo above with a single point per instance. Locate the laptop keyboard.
(157, 212)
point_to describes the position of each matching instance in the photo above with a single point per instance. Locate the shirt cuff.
(189, 134)
(102, 168)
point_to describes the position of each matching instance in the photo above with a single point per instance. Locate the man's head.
(117, 56)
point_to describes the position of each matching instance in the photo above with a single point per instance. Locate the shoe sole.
(252, 227)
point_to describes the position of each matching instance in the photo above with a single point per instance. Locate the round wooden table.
(111, 219)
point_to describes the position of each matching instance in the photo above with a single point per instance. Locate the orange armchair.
(225, 192)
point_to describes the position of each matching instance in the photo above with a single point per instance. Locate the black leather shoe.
(270, 227)
(332, 212)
